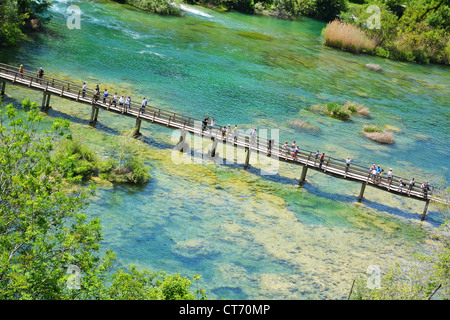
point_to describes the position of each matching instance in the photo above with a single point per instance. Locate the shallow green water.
(249, 236)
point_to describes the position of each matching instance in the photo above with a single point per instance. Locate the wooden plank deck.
(305, 158)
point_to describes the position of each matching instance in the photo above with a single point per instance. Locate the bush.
(337, 111)
(77, 161)
(357, 108)
(372, 129)
(329, 10)
(162, 7)
(348, 37)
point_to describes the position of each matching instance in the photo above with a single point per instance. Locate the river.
(250, 236)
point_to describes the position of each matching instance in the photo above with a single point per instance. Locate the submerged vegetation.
(426, 277)
(82, 163)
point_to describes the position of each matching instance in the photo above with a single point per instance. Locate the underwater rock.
(374, 67)
(194, 247)
(380, 137)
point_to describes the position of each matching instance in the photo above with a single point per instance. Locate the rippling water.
(249, 236)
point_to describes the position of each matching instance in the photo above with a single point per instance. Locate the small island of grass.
(377, 134)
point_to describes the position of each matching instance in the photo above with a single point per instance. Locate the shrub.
(78, 162)
(372, 129)
(357, 108)
(337, 111)
(162, 7)
(328, 10)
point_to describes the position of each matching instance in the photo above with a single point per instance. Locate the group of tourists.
(124, 102)
(376, 173)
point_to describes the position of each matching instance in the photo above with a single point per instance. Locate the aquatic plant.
(357, 108)
(303, 125)
(338, 111)
(377, 134)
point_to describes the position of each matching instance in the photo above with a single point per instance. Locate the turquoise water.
(249, 236)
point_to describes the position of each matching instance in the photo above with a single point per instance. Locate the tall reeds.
(348, 37)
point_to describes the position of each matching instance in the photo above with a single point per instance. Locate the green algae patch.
(303, 125)
(255, 36)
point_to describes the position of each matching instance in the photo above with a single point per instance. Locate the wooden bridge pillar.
(247, 157)
(45, 101)
(3, 87)
(94, 115)
(212, 154)
(361, 193)
(137, 128)
(425, 210)
(303, 176)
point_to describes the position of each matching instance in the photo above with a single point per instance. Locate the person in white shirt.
(127, 103)
(144, 104)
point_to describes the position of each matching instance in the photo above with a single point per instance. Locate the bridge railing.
(261, 144)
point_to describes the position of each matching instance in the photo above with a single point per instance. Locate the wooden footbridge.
(307, 159)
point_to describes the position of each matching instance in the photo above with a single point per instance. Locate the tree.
(15, 15)
(328, 10)
(43, 233)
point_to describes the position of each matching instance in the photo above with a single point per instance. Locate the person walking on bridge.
(21, 71)
(127, 103)
(144, 104)
(83, 90)
(321, 160)
(411, 185)
(105, 95)
(347, 162)
(40, 73)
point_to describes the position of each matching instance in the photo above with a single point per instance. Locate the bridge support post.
(45, 101)
(94, 116)
(3, 87)
(212, 154)
(137, 128)
(361, 193)
(247, 157)
(303, 176)
(425, 210)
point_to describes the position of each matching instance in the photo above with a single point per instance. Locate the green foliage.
(425, 276)
(338, 111)
(328, 10)
(76, 160)
(420, 33)
(372, 129)
(162, 7)
(126, 164)
(42, 232)
(15, 15)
